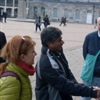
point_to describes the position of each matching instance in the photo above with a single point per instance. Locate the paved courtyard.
(73, 36)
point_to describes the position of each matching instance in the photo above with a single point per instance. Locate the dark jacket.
(2, 40)
(5, 14)
(54, 78)
(46, 21)
(2, 43)
(91, 46)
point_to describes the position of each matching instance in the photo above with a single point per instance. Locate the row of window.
(55, 12)
(9, 3)
(66, 13)
(9, 12)
(69, 0)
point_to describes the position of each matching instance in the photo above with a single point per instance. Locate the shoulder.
(9, 88)
(9, 80)
(92, 35)
(10, 84)
(44, 60)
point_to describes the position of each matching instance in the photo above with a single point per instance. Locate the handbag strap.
(13, 74)
(10, 73)
(98, 53)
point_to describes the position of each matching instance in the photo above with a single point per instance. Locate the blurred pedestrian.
(1, 16)
(95, 23)
(63, 21)
(38, 23)
(5, 16)
(46, 21)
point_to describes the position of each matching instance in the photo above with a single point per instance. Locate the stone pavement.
(73, 35)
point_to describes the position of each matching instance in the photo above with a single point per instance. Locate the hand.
(98, 92)
(96, 88)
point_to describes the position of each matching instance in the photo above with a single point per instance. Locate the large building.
(10, 6)
(80, 11)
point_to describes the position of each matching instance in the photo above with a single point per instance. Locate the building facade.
(10, 6)
(80, 11)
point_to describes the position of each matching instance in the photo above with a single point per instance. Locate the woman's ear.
(22, 57)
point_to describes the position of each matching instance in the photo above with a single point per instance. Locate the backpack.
(10, 73)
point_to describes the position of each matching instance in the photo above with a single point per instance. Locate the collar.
(56, 53)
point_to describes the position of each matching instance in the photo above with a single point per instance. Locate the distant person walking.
(95, 23)
(38, 23)
(5, 16)
(46, 21)
(1, 16)
(63, 21)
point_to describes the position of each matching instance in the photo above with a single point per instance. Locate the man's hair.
(50, 34)
(3, 40)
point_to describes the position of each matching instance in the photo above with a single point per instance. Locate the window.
(35, 12)
(43, 11)
(77, 14)
(55, 12)
(16, 3)
(2, 2)
(66, 13)
(9, 2)
(89, 11)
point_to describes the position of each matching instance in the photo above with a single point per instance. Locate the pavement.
(73, 36)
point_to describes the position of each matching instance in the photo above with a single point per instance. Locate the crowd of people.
(46, 22)
(54, 79)
(38, 22)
